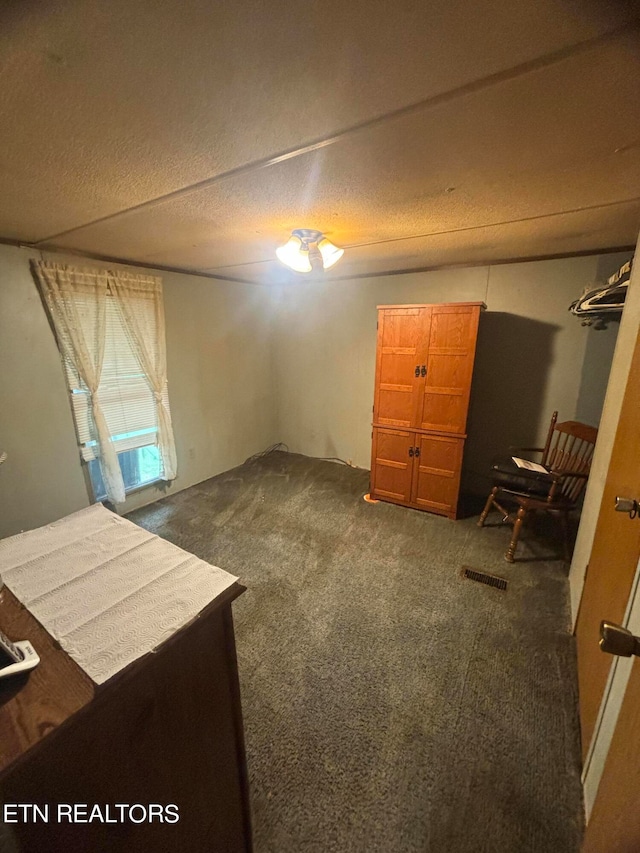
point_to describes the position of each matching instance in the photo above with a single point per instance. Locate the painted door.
(392, 464)
(402, 335)
(614, 816)
(613, 560)
(436, 478)
(452, 345)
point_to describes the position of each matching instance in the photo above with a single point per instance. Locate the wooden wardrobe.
(424, 366)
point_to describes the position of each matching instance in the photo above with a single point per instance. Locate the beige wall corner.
(220, 386)
(529, 361)
(42, 477)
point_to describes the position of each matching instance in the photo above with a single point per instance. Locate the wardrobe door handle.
(417, 451)
(417, 370)
(411, 451)
(423, 370)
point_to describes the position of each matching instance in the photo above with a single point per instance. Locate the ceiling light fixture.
(307, 249)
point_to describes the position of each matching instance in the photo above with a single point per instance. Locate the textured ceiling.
(196, 135)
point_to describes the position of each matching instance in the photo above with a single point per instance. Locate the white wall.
(220, 389)
(601, 344)
(598, 357)
(529, 361)
(42, 479)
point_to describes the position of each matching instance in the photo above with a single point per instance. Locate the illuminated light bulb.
(294, 255)
(307, 249)
(330, 254)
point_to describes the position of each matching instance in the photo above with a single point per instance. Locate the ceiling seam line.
(506, 75)
(476, 264)
(110, 259)
(584, 209)
(376, 274)
(463, 230)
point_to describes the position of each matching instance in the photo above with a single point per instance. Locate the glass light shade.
(292, 255)
(330, 254)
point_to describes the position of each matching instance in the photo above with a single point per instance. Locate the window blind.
(127, 401)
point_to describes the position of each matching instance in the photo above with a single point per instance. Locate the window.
(139, 467)
(110, 330)
(128, 404)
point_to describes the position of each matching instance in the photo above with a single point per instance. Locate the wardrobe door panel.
(437, 476)
(452, 342)
(392, 464)
(400, 336)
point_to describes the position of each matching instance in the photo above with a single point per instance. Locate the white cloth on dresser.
(106, 589)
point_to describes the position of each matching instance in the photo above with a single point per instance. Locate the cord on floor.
(281, 446)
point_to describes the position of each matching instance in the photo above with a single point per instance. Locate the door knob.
(616, 640)
(627, 505)
(423, 370)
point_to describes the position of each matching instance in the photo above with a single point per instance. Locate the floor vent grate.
(482, 577)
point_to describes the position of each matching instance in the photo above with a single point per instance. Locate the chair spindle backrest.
(571, 449)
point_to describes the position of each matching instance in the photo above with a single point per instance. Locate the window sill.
(142, 486)
(129, 492)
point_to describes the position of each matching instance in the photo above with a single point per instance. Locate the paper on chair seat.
(106, 589)
(529, 466)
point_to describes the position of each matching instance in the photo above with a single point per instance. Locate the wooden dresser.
(166, 730)
(424, 366)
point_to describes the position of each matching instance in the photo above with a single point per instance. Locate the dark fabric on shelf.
(390, 705)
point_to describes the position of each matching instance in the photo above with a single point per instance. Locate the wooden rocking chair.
(566, 458)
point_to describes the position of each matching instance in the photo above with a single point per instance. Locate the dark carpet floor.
(389, 704)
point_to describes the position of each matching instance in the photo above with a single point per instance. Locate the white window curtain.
(77, 301)
(125, 395)
(120, 319)
(139, 300)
